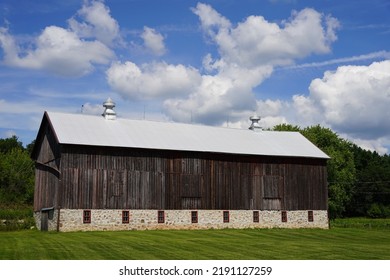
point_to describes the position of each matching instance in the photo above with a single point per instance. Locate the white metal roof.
(90, 130)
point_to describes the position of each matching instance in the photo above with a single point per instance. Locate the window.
(51, 214)
(194, 217)
(225, 216)
(256, 216)
(161, 217)
(284, 216)
(310, 216)
(125, 217)
(87, 216)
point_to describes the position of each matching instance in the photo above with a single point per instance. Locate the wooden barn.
(108, 173)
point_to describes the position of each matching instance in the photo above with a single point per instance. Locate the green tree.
(10, 143)
(372, 193)
(16, 173)
(286, 127)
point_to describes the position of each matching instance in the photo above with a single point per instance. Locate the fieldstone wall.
(111, 219)
(52, 220)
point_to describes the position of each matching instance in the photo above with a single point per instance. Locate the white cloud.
(63, 51)
(153, 41)
(153, 80)
(96, 22)
(219, 96)
(211, 21)
(353, 100)
(57, 50)
(256, 41)
(379, 145)
(247, 53)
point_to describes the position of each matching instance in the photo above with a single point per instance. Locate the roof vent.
(255, 126)
(109, 113)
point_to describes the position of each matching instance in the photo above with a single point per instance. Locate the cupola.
(109, 113)
(255, 126)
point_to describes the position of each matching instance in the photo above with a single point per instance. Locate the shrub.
(378, 211)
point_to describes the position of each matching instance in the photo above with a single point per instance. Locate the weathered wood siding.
(106, 178)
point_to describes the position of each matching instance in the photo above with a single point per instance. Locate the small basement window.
(87, 216)
(161, 217)
(284, 216)
(125, 217)
(256, 217)
(310, 216)
(194, 217)
(226, 216)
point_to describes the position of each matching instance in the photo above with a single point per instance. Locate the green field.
(347, 239)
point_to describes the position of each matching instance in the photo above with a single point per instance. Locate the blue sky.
(212, 62)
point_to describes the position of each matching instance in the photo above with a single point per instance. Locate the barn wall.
(111, 219)
(115, 178)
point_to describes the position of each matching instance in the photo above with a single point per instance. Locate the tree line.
(358, 179)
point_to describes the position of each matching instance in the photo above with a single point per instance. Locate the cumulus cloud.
(153, 41)
(63, 51)
(153, 80)
(225, 94)
(352, 100)
(57, 50)
(256, 41)
(248, 52)
(355, 99)
(96, 22)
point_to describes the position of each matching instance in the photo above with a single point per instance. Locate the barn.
(109, 173)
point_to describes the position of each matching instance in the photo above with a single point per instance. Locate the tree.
(286, 127)
(10, 143)
(372, 192)
(16, 173)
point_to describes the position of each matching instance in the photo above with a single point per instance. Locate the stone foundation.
(111, 219)
(52, 220)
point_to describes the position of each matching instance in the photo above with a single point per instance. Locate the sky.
(213, 62)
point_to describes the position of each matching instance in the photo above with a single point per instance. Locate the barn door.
(44, 220)
(272, 192)
(191, 189)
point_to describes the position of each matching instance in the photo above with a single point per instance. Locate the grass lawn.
(340, 242)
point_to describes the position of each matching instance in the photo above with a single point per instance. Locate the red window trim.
(194, 217)
(310, 216)
(161, 216)
(256, 216)
(226, 216)
(284, 216)
(86, 216)
(125, 216)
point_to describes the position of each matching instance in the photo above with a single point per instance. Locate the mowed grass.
(227, 244)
